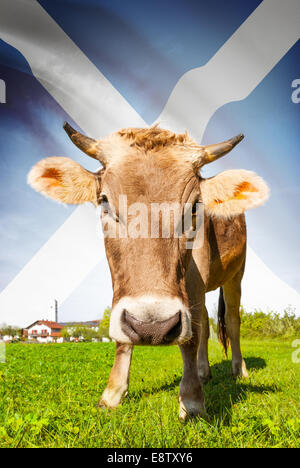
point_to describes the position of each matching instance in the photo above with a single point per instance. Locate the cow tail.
(222, 334)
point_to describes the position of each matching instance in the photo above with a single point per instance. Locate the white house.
(44, 331)
(8, 338)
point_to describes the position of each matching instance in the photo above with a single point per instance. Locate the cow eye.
(104, 204)
(103, 198)
(106, 208)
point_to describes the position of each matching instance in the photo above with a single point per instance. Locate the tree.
(104, 323)
(84, 333)
(88, 334)
(65, 334)
(78, 332)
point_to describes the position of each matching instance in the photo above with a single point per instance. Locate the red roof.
(48, 323)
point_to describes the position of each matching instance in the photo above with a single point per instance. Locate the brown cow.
(159, 284)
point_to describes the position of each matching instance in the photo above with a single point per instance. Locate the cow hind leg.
(118, 381)
(232, 298)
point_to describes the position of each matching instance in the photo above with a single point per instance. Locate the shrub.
(261, 324)
(269, 324)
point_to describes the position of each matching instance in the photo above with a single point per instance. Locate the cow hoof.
(239, 371)
(189, 409)
(104, 404)
(111, 398)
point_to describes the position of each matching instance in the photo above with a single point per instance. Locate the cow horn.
(211, 153)
(86, 144)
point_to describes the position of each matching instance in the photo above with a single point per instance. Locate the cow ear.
(64, 180)
(230, 193)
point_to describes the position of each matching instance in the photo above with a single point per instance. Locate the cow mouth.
(152, 332)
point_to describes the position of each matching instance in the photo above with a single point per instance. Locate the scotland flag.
(214, 68)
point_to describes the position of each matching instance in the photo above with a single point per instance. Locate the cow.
(159, 282)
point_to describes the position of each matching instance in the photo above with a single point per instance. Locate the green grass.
(48, 397)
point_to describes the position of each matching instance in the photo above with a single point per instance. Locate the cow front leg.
(203, 363)
(118, 381)
(191, 398)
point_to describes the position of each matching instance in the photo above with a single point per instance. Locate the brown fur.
(154, 138)
(148, 180)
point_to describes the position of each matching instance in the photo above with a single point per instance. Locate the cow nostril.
(174, 332)
(127, 325)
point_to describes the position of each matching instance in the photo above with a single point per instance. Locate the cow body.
(160, 280)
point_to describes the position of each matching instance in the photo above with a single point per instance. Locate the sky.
(143, 48)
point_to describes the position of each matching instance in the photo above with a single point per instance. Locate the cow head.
(149, 170)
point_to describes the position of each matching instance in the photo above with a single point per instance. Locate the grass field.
(49, 395)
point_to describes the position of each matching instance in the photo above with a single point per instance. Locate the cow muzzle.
(153, 332)
(150, 321)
